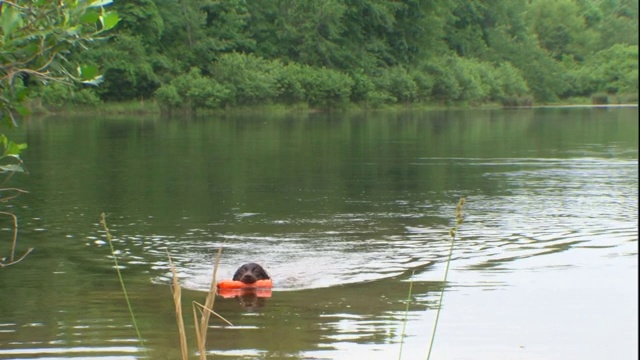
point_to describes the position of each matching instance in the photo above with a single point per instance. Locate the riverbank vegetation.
(192, 55)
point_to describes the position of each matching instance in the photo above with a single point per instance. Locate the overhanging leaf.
(109, 20)
(10, 19)
(95, 81)
(12, 149)
(98, 3)
(88, 72)
(91, 17)
(12, 168)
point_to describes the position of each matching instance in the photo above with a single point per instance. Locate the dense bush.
(473, 77)
(424, 84)
(473, 81)
(398, 84)
(242, 79)
(128, 69)
(289, 84)
(511, 83)
(193, 91)
(168, 98)
(325, 87)
(613, 70)
(319, 87)
(57, 95)
(362, 87)
(251, 79)
(255, 81)
(446, 87)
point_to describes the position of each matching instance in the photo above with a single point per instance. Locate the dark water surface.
(345, 212)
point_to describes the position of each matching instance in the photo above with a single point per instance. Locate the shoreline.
(583, 106)
(152, 108)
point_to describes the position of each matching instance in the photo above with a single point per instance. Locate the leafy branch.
(36, 40)
(36, 37)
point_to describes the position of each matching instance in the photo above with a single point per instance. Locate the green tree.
(128, 58)
(36, 40)
(195, 91)
(128, 65)
(184, 42)
(561, 28)
(251, 79)
(226, 26)
(613, 71)
(616, 21)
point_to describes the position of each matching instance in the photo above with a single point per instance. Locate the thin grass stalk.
(103, 222)
(452, 234)
(12, 259)
(195, 311)
(201, 308)
(15, 190)
(15, 234)
(208, 304)
(406, 315)
(177, 300)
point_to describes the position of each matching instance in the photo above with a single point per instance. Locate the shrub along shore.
(152, 107)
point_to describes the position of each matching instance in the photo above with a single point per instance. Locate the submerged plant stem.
(103, 222)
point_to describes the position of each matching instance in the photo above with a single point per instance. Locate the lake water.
(345, 212)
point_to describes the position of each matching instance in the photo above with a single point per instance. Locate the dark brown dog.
(250, 273)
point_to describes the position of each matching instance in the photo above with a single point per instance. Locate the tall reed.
(452, 233)
(177, 301)
(201, 329)
(406, 315)
(205, 311)
(103, 222)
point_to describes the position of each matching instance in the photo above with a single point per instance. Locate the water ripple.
(550, 206)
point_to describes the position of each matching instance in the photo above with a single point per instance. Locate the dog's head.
(250, 273)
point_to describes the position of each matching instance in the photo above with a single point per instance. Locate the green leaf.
(10, 19)
(88, 72)
(109, 20)
(12, 149)
(90, 17)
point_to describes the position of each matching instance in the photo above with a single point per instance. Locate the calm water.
(344, 212)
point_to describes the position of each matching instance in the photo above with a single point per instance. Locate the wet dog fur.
(250, 273)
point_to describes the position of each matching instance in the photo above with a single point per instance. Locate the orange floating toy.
(232, 284)
(231, 288)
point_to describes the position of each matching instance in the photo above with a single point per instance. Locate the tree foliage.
(369, 51)
(38, 40)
